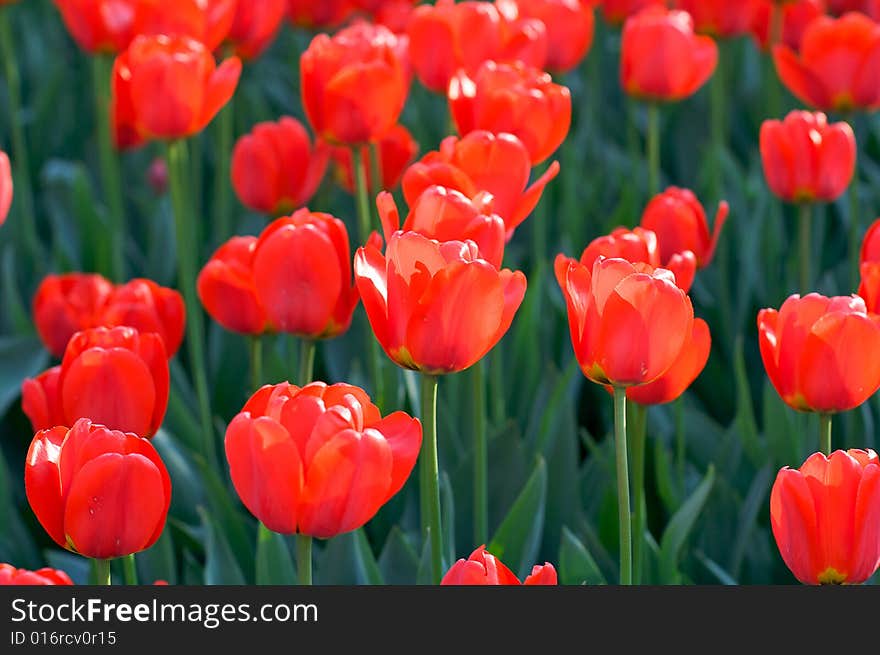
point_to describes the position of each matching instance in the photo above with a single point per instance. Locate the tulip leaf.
(399, 561)
(220, 565)
(20, 358)
(13, 304)
(368, 568)
(518, 537)
(16, 544)
(576, 565)
(158, 562)
(748, 516)
(346, 560)
(679, 527)
(447, 507)
(745, 415)
(274, 565)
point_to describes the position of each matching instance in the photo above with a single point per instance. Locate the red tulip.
(826, 517)
(483, 568)
(168, 88)
(302, 275)
(796, 17)
(396, 150)
(446, 215)
(569, 26)
(870, 251)
(101, 25)
(226, 288)
(275, 168)
(394, 14)
(97, 492)
(806, 159)
(868, 7)
(254, 26)
(679, 221)
(354, 84)
(523, 39)
(821, 354)
(114, 376)
(837, 65)
(147, 307)
(318, 460)
(5, 187)
(628, 322)
(869, 286)
(207, 21)
(617, 11)
(482, 162)
(435, 307)
(9, 575)
(718, 18)
(318, 15)
(661, 57)
(512, 98)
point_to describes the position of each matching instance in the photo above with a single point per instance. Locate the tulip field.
(367, 292)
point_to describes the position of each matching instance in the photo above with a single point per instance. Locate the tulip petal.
(42, 481)
(404, 437)
(794, 523)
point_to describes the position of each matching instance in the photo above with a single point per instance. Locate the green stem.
(102, 572)
(304, 559)
(365, 220)
(774, 95)
(854, 230)
(481, 457)
(825, 433)
(653, 149)
(223, 154)
(639, 439)
(376, 169)
(804, 234)
(430, 475)
(623, 508)
(718, 101)
(256, 343)
(680, 445)
(306, 362)
(539, 230)
(496, 384)
(102, 70)
(129, 570)
(186, 253)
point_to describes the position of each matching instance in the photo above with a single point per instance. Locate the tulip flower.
(396, 150)
(617, 11)
(354, 84)
(868, 7)
(836, 66)
(114, 376)
(679, 221)
(254, 26)
(524, 40)
(206, 21)
(226, 288)
(796, 17)
(869, 286)
(394, 14)
(275, 168)
(870, 250)
(482, 162)
(825, 517)
(318, 15)
(5, 187)
(97, 492)
(106, 26)
(718, 18)
(483, 568)
(147, 307)
(512, 98)
(9, 575)
(168, 88)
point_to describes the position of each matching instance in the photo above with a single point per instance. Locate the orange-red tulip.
(806, 159)
(679, 221)
(114, 376)
(661, 58)
(97, 492)
(718, 18)
(796, 16)
(628, 321)
(168, 88)
(524, 40)
(483, 568)
(837, 65)
(318, 15)
(617, 11)
(302, 275)
(9, 575)
(275, 168)
(354, 84)
(868, 7)
(226, 288)
(394, 14)
(869, 285)
(825, 517)
(147, 307)
(318, 460)
(254, 26)
(5, 186)
(870, 251)
(207, 21)
(102, 25)
(482, 162)
(512, 98)
(396, 150)
(435, 307)
(821, 354)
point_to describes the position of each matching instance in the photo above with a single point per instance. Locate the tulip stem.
(774, 95)
(623, 509)
(304, 559)
(129, 570)
(223, 152)
(102, 572)
(430, 476)
(640, 425)
(804, 228)
(825, 433)
(186, 253)
(854, 231)
(256, 343)
(376, 169)
(363, 193)
(102, 71)
(496, 384)
(306, 362)
(717, 99)
(481, 458)
(653, 149)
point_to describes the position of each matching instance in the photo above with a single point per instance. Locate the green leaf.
(220, 565)
(20, 358)
(517, 539)
(158, 562)
(399, 561)
(368, 568)
(348, 559)
(748, 516)
(745, 414)
(447, 507)
(576, 565)
(679, 527)
(274, 565)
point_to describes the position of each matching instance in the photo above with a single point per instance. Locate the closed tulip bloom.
(662, 59)
(868, 7)
(114, 376)
(837, 65)
(168, 88)
(524, 40)
(483, 568)
(318, 15)
(97, 492)
(482, 162)
(206, 21)
(275, 167)
(318, 460)
(796, 17)
(147, 307)
(302, 275)
(617, 11)
(806, 159)
(679, 221)
(394, 14)
(446, 215)
(5, 186)
(226, 288)
(435, 307)
(512, 98)
(870, 250)
(65, 304)
(9, 575)
(97, 26)
(396, 150)
(869, 286)
(628, 321)
(825, 517)
(354, 84)
(718, 18)
(821, 354)
(254, 26)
